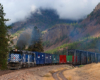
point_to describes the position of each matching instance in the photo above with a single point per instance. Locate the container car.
(92, 57)
(98, 57)
(62, 58)
(48, 58)
(89, 57)
(55, 58)
(40, 58)
(76, 56)
(83, 57)
(71, 56)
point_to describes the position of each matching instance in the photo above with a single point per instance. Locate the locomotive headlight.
(15, 49)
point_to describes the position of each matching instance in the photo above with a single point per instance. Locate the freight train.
(19, 58)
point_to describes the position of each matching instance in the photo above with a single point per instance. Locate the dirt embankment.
(35, 73)
(87, 72)
(56, 72)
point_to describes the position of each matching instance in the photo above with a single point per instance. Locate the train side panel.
(37, 58)
(92, 57)
(70, 56)
(46, 58)
(83, 57)
(88, 57)
(98, 58)
(62, 58)
(50, 58)
(55, 58)
(42, 59)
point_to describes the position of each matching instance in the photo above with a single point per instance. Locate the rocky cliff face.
(63, 33)
(60, 34)
(57, 32)
(97, 8)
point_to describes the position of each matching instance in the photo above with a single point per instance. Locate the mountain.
(62, 34)
(43, 19)
(58, 32)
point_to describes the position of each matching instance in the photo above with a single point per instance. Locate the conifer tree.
(4, 39)
(36, 41)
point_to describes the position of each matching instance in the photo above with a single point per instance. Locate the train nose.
(14, 57)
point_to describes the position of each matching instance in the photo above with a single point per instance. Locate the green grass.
(84, 44)
(81, 65)
(17, 33)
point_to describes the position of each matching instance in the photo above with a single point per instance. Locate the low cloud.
(17, 10)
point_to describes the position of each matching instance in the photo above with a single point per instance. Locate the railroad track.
(10, 71)
(2, 72)
(58, 74)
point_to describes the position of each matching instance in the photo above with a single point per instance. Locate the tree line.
(6, 40)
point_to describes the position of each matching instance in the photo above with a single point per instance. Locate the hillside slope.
(89, 27)
(43, 19)
(56, 32)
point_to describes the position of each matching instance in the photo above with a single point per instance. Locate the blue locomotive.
(18, 59)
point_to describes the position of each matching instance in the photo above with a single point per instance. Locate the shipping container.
(98, 57)
(55, 58)
(78, 56)
(70, 56)
(92, 57)
(48, 58)
(42, 61)
(62, 58)
(88, 57)
(40, 58)
(83, 57)
(69, 59)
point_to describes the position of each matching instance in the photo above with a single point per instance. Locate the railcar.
(92, 57)
(88, 57)
(55, 58)
(19, 58)
(62, 58)
(83, 57)
(70, 56)
(48, 58)
(76, 57)
(98, 57)
(40, 58)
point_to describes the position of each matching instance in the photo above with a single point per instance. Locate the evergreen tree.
(4, 39)
(36, 41)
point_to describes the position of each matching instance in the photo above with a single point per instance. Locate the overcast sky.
(66, 9)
